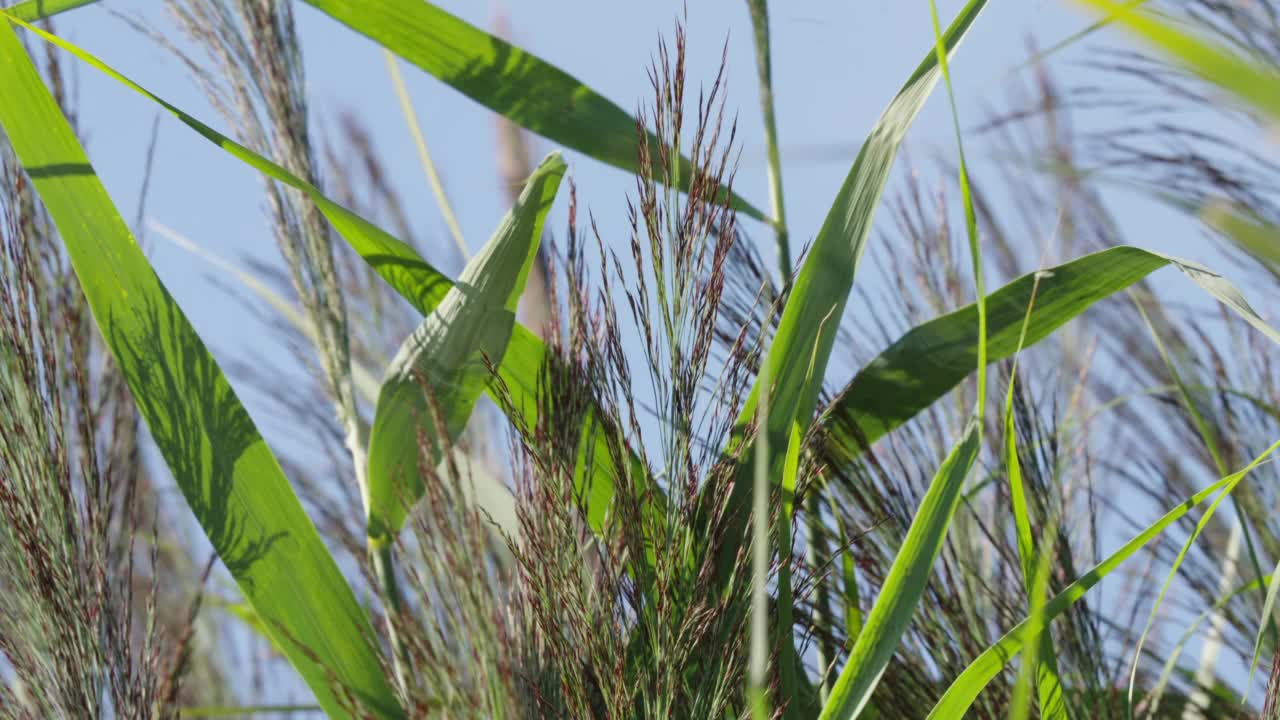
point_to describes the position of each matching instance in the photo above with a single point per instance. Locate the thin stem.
(384, 568)
(764, 65)
(424, 155)
(758, 667)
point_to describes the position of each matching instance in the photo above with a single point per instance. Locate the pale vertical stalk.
(1207, 670)
(816, 550)
(424, 155)
(758, 667)
(764, 66)
(384, 568)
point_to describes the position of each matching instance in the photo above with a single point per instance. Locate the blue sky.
(836, 65)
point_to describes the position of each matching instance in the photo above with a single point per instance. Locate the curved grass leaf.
(423, 286)
(955, 702)
(821, 290)
(931, 359)
(1268, 606)
(518, 85)
(445, 356)
(1173, 571)
(485, 489)
(230, 478)
(889, 617)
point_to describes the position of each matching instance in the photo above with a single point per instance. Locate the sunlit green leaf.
(519, 85)
(903, 586)
(443, 361)
(933, 358)
(226, 472)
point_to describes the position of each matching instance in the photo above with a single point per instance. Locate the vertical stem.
(764, 66)
(384, 568)
(758, 666)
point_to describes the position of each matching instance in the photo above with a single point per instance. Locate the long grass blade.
(232, 482)
(423, 286)
(1043, 667)
(516, 84)
(759, 11)
(446, 355)
(1173, 571)
(932, 358)
(955, 702)
(889, 617)
(1268, 607)
(1034, 670)
(970, 218)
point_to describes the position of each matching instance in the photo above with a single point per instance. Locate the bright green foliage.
(230, 478)
(444, 358)
(1042, 668)
(909, 574)
(519, 85)
(821, 290)
(297, 596)
(931, 359)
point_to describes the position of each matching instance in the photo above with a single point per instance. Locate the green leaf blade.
(447, 353)
(931, 359)
(516, 84)
(224, 468)
(797, 358)
(905, 583)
